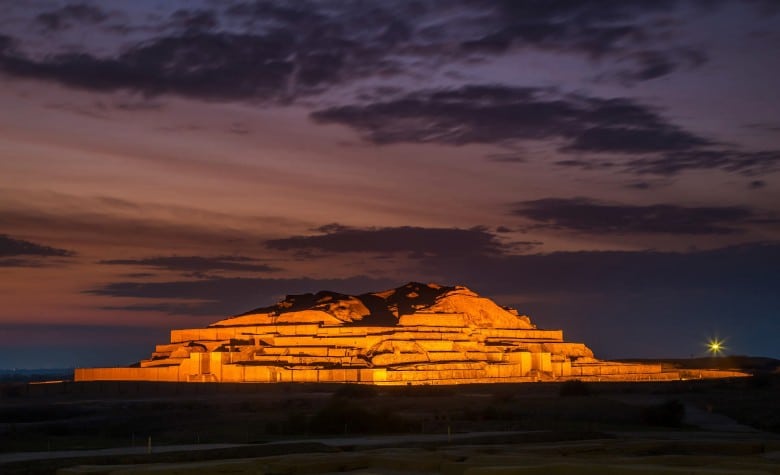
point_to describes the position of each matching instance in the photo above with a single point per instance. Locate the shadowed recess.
(384, 307)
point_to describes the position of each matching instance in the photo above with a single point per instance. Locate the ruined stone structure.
(415, 334)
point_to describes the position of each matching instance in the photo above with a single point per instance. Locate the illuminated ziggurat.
(415, 334)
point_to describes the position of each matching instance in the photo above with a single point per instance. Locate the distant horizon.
(694, 357)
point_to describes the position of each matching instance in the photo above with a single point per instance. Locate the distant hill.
(750, 364)
(41, 374)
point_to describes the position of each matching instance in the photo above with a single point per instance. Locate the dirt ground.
(254, 420)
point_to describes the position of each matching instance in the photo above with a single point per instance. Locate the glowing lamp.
(715, 346)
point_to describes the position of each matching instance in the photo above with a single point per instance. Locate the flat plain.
(137, 427)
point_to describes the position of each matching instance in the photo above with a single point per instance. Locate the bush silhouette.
(342, 416)
(575, 387)
(668, 414)
(357, 391)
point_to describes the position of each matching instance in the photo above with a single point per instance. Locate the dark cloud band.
(226, 296)
(502, 114)
(279, 50)
(589, 216)
(745, 268)
(22, 253)
(19, 247)
(406, 239)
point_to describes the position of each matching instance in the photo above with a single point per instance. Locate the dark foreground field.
(56, 417)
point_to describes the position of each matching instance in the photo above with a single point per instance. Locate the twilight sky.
(609, 167)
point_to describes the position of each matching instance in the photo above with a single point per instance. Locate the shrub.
(425, 390)
(493, 413)
(341, 417)
(760, 381)
(357, 391)
(575, 387)
(668, 414)
(11, 391)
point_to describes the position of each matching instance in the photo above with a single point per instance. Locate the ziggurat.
(415, 334)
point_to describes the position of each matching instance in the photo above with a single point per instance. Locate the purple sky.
(608, 167)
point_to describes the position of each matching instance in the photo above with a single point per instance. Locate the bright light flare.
(715, 346)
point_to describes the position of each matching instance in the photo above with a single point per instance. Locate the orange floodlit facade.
(415, 334)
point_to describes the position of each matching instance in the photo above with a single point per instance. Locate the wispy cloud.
(71, 15)
(197, 263)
